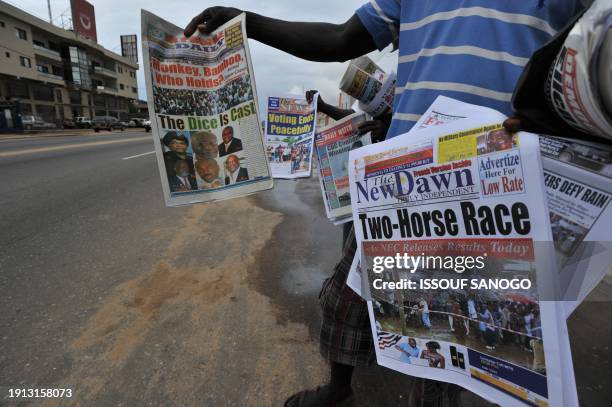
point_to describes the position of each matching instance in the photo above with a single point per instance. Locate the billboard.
(84, 19)
(129, 47)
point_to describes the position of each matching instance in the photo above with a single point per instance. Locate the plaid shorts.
(346, 336)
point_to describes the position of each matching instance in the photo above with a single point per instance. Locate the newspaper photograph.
(578, 180)
(333, 144)
(455, 246)
(289, 134)
(204, 115)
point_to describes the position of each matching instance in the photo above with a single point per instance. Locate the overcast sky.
(275, 71)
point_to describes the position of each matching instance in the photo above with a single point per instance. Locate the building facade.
(57, 74)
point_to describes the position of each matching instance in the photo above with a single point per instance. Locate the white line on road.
(70, 146)
(138, 155)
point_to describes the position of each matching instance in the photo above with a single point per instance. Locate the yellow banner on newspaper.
(470, 143)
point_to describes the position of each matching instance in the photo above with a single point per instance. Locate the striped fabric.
(387, 340)
(471, 50)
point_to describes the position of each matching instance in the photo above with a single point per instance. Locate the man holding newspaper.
(440, 45)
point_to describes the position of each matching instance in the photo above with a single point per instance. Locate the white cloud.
(275, 71)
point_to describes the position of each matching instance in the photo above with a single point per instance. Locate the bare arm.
(332, 111)
(321, 42)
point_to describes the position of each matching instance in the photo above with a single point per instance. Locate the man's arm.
(332, 111)
(321, 42)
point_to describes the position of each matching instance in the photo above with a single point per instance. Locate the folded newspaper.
(204, 115)
(289, 132)
(370, 85)
(333, 144)
(481, 318)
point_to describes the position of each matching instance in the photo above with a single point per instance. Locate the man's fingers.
(309, 95)
(368, 126)
(513, 124)
(194, 23)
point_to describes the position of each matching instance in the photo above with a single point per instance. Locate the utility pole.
(49, 8)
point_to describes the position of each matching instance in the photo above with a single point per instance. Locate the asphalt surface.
(106, 291)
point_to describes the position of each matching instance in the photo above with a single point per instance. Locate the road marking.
(69, 146)
(138, 155)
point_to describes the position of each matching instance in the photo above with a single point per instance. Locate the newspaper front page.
(333, 144)
(289, 130)
(204, 115)
(457, 192)
(578, 181)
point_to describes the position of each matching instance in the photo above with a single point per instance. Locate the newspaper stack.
(463, 189)
(578, 181)
(204, 112)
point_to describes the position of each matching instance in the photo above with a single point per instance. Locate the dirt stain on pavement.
(190, 331)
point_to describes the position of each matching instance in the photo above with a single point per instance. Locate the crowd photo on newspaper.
(472, 181)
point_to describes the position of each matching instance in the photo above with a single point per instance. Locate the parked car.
(82, 122)
(68, 124)
(31, 122)
(132, 123)
(106, 123)
(138, 122)
(147, 125)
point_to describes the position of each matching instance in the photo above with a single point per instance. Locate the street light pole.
(49, 8)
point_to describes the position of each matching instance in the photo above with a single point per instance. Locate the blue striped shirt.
(470, 50)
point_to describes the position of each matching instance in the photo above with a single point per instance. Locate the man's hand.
(518, 123)
(377, 127)
(310, 95)
(211, 19)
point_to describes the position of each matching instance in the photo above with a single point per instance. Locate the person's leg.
(426, 320)
(339, 387)
(345, 339)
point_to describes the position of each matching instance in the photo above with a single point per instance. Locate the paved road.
(105, 290)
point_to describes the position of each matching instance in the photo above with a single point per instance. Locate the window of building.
(42, 68)
(75, 97)
(121, 86)
(21, 34)
(119, 69)
(39, 43)
(133, 90)
(2, 24)
(58, 96)
(25, 61)
(8, 54)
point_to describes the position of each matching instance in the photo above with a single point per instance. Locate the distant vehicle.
(138, 121)
(106, 123)
(147, 125)
(31, 122)
(82, 122)
(68, 124)
(131, 123)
